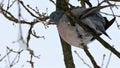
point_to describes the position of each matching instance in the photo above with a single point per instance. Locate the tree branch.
(90, 57)
(115, 0)
(68, 59)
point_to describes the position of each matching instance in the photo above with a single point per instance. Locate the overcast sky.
(49, 49)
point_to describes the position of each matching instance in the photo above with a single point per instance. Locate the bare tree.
(39, 17)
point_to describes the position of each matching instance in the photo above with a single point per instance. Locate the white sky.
(49, 49)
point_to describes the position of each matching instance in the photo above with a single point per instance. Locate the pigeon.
(74, 34)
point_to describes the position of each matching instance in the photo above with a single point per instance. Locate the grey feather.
(76, 35)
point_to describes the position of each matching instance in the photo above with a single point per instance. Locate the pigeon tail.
(106, 34)
(109, 23)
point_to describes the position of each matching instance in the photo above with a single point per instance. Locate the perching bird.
(74, 34)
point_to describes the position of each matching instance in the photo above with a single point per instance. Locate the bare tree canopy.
(36, 16)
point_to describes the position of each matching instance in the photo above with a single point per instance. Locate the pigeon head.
(55, 16)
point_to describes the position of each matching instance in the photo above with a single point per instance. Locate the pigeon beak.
(50, 22)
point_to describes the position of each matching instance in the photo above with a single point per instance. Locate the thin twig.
(10, 17)
(32, 14)
(90, 57)
(36, 11)
(82, 59)
(109, 60)
(17, 57)
(35, 35)
(10, 5)
(6, 55)
(8, 58)
(103, 60)
(31, 52)
(28, 36)
(27, 9)
(110, 14)
(110, 55)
